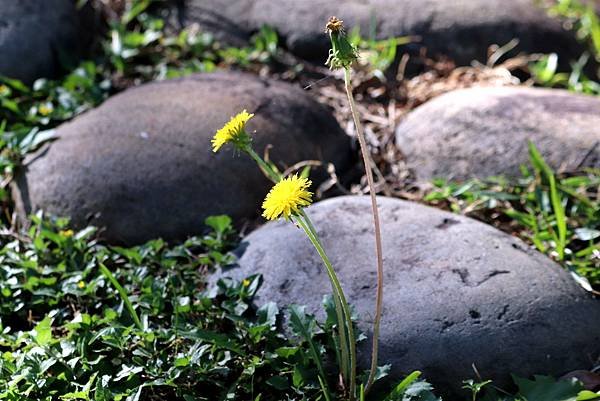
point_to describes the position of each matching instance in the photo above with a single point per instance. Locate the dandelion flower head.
(232, 132)
(67, 233)
(287, 198)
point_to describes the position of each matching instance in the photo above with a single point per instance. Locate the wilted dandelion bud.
(342, 53)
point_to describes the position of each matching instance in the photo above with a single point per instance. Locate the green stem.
(345, 366)
(345, 327)
(344, 316)
(123, 295)
(324, 388)
(378, 248)
(311, 226)
(266, 169)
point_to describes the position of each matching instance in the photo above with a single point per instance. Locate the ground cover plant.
(67, 332)
(582, 18)
(558, 214)
(80, 319)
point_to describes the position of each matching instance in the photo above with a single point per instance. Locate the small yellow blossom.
(45, 109)
(67, 233)
(287, 198)
(81, 284)
(233, 132)
(246, 282)
(4, 90)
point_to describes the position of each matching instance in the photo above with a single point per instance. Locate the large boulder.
(480, 132)
(461, 29)
(457, 292)
(141, 164)
(38, 37)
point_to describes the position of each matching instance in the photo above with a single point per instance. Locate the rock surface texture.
(38, 36)
(141, 164)
(480, 132)
(462, 29)
(457, 291)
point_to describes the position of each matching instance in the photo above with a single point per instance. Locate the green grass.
(378, 55)
(545, 72)
(585, 23)
(559, 215)
(584, 20)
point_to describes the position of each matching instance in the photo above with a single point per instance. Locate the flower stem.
(344, 315)
(266, 169)
(378, 248)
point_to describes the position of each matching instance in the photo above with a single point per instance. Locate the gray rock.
(141, 164)
(481, 132)
(457, 292)
(37, 37)
(461, 29)
(226, 31)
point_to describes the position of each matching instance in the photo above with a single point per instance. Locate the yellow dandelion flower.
(67, 233)
(233, 132)
(45, 110)
(81, 284)
(287, 198)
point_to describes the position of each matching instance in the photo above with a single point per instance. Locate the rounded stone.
(141, 165)
(462, 29)
(38, 37)
(481, 132)
(457, 292)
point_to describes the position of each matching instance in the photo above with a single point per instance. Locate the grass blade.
(123, 295)
(559, 215)
(545, 172)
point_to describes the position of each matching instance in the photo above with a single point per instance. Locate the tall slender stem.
(311, 232)
(267, 170)
(378, 248)
(345, 328)
(306, 224)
